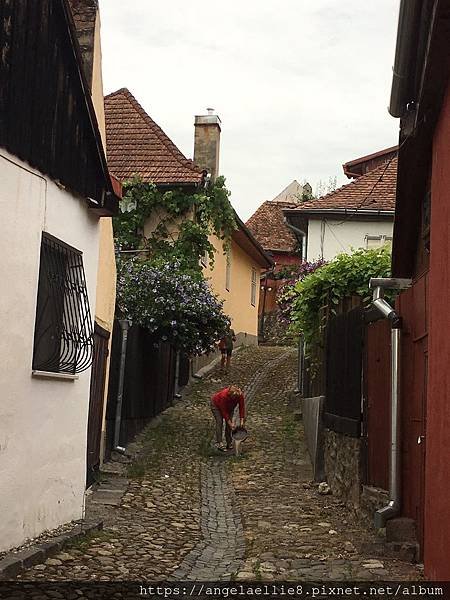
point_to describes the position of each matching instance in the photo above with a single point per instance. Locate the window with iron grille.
(254, 283)
(63, 335)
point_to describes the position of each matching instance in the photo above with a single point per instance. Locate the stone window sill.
(50, 375)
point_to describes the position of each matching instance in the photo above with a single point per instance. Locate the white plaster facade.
(43, 422)
(329, 237)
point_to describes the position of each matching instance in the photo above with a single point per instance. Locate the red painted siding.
(437, 485)
(412, 306)
(268, 300)
(282, 259)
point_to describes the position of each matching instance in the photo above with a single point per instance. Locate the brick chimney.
(84, 14)
(207, 142)
(87, 24)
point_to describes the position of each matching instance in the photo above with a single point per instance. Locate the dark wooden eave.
(47, 118)
(431, 78)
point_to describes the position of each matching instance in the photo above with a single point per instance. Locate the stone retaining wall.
(343, 467)
(372, 499)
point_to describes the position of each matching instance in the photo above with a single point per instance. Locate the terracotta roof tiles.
(373, 191)
(268, 227)
(136, 145)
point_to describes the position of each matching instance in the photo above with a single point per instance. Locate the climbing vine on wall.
(318, 294)
(179, 223)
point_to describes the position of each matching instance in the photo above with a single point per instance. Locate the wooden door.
(96, 402)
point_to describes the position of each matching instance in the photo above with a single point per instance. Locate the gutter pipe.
(299, 232)
(379, 285)
(124, 325)
(340, 211)
(407, 19)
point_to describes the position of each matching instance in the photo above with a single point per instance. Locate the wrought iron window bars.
(63, 337)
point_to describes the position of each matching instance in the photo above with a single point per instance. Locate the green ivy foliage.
(194, 216)
(319, 293)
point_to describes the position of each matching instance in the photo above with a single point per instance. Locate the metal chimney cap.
(209, 119)
(210, 111)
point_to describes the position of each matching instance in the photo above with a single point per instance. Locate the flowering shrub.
(173, 304)
(287, 293)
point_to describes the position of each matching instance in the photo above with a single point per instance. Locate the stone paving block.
(10, 566)
(31, 557)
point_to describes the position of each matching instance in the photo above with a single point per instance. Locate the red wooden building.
(421, 251)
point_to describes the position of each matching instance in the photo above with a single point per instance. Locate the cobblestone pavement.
(291, 531)
(221, 550)
(190, 513)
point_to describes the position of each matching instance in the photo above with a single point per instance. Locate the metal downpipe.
(299, 232)
(393, 507)
(378, 285)
(118, 421)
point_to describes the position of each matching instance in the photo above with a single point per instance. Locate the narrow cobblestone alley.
(189, 514)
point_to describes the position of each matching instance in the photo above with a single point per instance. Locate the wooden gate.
(377, 400)
(343, 372)
(149, 383)
(96, 401)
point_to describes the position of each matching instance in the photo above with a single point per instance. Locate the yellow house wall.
(237, 300)
(106, 280)
(97, 82)
(106, 275)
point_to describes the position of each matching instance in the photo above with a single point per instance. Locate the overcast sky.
(301, 86)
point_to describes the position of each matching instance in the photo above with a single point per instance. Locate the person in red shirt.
(223, 404)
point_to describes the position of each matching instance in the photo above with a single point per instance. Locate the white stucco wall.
(43, 423)
(341, 236)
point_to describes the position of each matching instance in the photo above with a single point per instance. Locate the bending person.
(223, 404)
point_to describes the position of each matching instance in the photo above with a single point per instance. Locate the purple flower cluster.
(172, 304)
(287, 295)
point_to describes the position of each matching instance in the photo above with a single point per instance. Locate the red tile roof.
(268, 227)
(136, 145)
(363, 164)
(374, 190)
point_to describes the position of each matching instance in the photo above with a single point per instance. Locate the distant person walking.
(226, 348)
(223, 404)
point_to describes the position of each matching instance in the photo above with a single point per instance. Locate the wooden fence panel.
(344, 372)
(149, 382)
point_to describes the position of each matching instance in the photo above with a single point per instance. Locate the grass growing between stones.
(156, 442)
(187, 427)
(83, 543)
